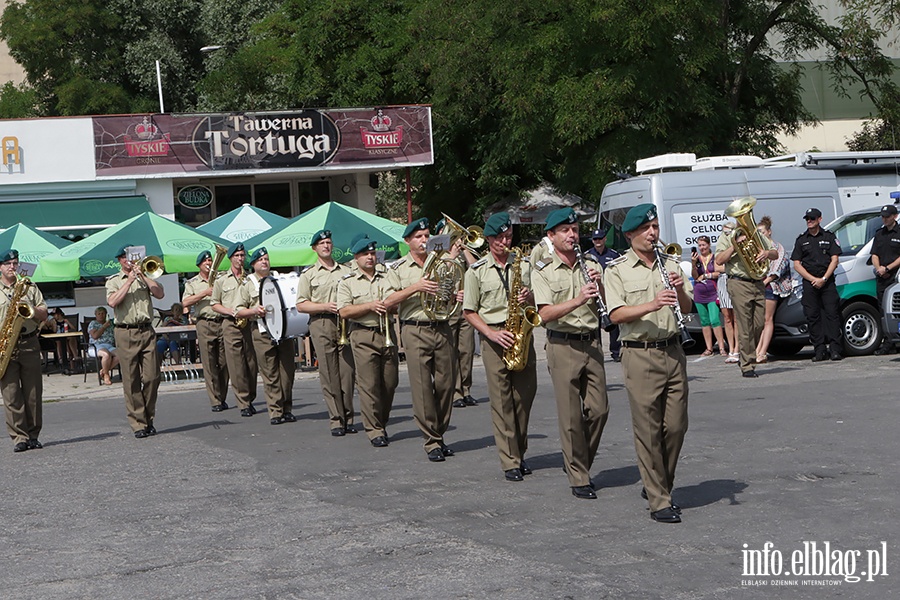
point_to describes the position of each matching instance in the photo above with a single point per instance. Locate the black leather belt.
(572, 337)
(502, 324)
(747, 279)
(422, 323)
(329, 316)
(138, 326)
(356, 326)
(645, 345)
(25, 336)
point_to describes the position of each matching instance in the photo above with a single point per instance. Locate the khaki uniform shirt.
(735, 266)
(33, 298)
(203, 308)
(318, 284)
(487, 285)
(401, 275)
(628, 281)
(137, 306)
(357, 288)
(227, 291)
(555, 282)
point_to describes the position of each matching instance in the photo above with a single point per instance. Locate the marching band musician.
(486, 306)
(197, 293)
(652, 357)
(316, 294)
(128, 292)
(428, 344)
(568, 308)
(22, 386)
(275, 360)
(360, 301)
(239, 355)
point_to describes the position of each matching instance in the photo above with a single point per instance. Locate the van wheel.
(784, 349)
(862, 329)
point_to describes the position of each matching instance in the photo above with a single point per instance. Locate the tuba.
(520, 320)
(17, 312)
(221, 251)
(741, 210)
(448, 274)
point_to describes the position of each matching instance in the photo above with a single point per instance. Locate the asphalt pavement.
(219, 506)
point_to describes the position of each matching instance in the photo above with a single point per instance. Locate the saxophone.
(520, 320)
(16, 313)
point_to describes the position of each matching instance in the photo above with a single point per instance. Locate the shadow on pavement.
(192, 426)
(86, 438)
(710, 492)
(618, 477)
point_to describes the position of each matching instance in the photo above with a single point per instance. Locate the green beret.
(123, 250)
(235, 247)
(440, 226)
(415, 226)
(363, 245)
(9, 255)
(559, 217)
(258, 254)
(637, 216)
(203, 256)
(357, 237)
(496, 224)
(322, 234)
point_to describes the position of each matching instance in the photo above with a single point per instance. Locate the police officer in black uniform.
(886, 259)
(815, 258)
(604, 256)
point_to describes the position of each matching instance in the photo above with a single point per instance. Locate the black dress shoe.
(676, 508)
(447, 450)
(835, 355)
(436, 455)
(34, 444)
(470, 401)
(585, 492)
(141, 433)
(819, 357)
(289, 418)
(220, 407)
(350, 429)
(150, 429)
(526, 470)
(20, 447)
(337, 432)
(513, 475)
(246, 412)
(749, 374)
(459, 403)
(380, 442)
(252, 409)
(276, 421)
(666, 515)
(883, 350)
(644, 493)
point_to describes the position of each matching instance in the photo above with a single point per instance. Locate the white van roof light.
(727, 162)
(666, 161)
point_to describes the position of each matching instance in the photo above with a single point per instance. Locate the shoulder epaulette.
(616, 261)
(111, 276)
(348, 275)
(305, 269)
(478, 263)
(589, 256)
(526, 259)
(397, 263)
(540, 265)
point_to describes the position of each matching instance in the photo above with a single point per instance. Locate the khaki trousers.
(432, 375)
(238, 352)
(464, 345)
(335, 369)
(749, 302)
(277, 368)
(212, 355)
(579, 384)
(22, 389)
(139, 363)
(656, 382)
(377, 376)
(512, 395)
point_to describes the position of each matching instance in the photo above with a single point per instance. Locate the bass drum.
(279, 296)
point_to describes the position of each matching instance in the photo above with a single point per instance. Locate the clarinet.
(605, 321)
(686, 339)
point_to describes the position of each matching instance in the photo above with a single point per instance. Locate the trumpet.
(605, 322)
(343, 340)
(666, 252)
(385, 323)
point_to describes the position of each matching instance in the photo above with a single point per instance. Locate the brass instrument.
(472, 236)
(448, 274)
(605, 322)
(385, 324)
(672, 252)
(343, 340)
(741, 210)
(151, 267)
(520, 320)
(17, 312)
(241, 322)
(221, 251)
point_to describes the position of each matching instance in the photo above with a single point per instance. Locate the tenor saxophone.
(17, 312)
(520, 320)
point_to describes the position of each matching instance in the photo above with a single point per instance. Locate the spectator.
(66, 348)
(728, 322)
(778, 285)
(176, 319)
(104, 342)
(703, 270)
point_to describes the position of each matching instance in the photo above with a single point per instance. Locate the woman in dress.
(703, 270)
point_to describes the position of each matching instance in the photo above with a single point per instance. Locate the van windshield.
(854, 231)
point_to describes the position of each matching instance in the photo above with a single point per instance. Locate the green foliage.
(17, 102)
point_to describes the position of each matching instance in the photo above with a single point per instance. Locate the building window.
(312, 194)
(273, 197)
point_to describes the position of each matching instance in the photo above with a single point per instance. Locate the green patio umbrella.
(243, 223)
(32, 244)
(289, 246)
(178, 245)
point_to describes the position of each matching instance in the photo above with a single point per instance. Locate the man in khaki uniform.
(748, 295)
(568, 308)
(129, 293)
(360, 299)
(428, 344)
(486, 304)
(652, 357)
(21, 385)
(316, 296)
(240, 357)
(275, 360)
(197, 293)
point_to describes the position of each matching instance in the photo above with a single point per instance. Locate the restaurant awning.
(76, 216)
